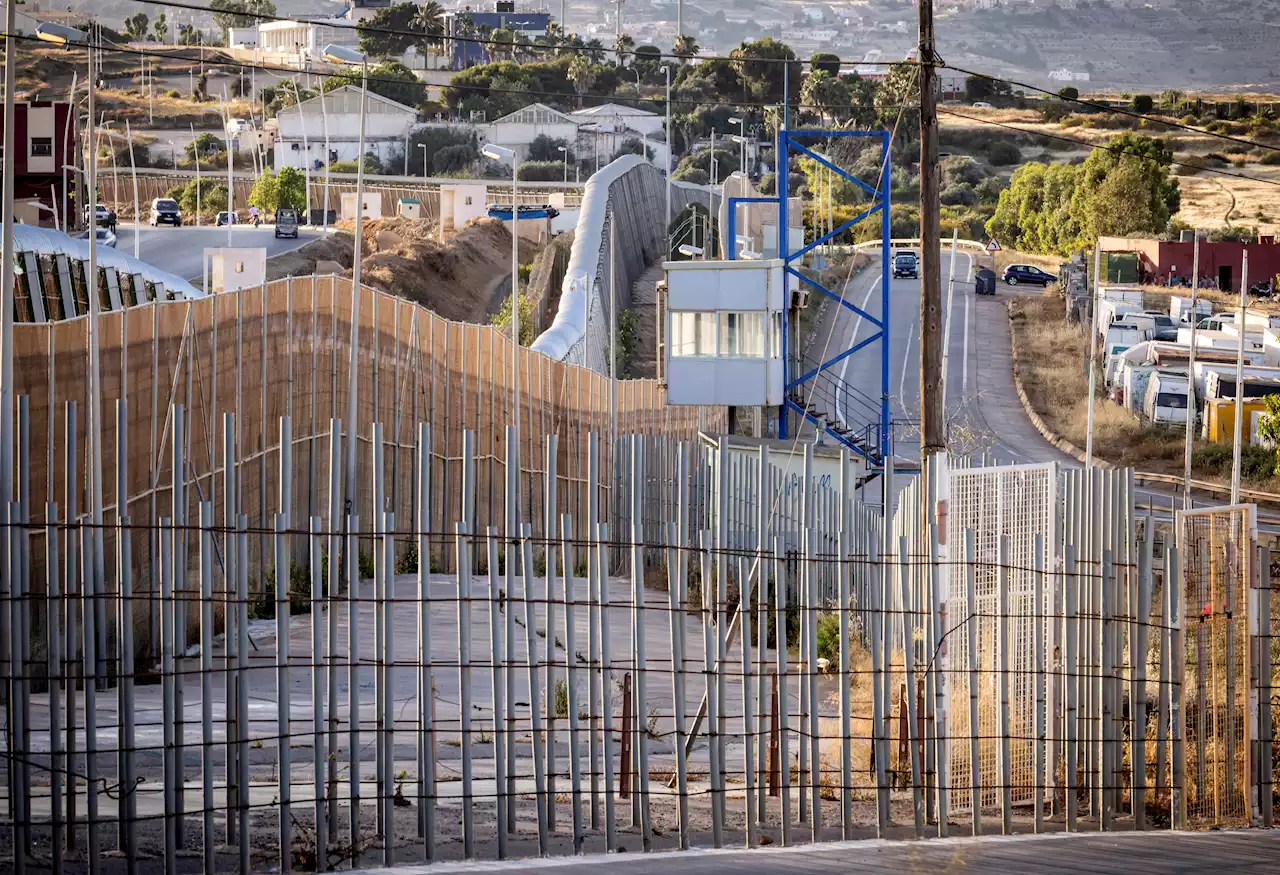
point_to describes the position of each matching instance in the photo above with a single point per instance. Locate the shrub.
(1143, 103)
(408, 561)
(829, 637)
(452, 159)
(959, 195)
(1001, 152)
(1271, 157)
(542, 171)
(366, 567)
(1256, 462)
(173, 92)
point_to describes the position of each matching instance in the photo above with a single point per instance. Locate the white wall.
(518, 135)
(235, 269)
(348, 150)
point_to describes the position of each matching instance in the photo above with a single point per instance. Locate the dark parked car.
(1165, 327)
(906, 264)
(287, 223)
(1027, 274)
(164, 211)
(984, 281)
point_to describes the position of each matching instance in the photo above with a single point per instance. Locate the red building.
(1220, 263)
(42, 145)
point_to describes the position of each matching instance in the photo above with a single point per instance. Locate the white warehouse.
(334, 118)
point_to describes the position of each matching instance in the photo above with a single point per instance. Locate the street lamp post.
(344, 55)
(7, 279)
(501, 153)
(59, 35)
(667, 69)
(565, 152)
(741, 138)
(195, 151)
(306, 150)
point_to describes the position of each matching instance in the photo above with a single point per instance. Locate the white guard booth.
(235, 269)
(723, 326)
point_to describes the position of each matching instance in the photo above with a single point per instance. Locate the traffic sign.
(993, 246)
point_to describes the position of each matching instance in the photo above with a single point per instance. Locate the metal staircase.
(842, 410)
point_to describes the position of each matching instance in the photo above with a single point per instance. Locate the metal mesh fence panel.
(1217, 550)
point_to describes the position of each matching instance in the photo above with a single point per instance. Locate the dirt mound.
(464, 279)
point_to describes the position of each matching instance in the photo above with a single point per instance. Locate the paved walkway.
(1054, 854)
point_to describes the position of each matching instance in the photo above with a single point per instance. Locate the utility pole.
(932, 414)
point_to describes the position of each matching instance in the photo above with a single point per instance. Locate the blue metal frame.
(787, 143)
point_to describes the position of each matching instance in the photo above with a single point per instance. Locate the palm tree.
(595, 51)
(624, 45)
(581, 74)
(686, 47)
(825, 96)
(430, 20)
(504, 44)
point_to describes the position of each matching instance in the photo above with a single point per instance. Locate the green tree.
(1034, 214)
(581, 73)
(160, 28)
(979, 88)
(1069, 92)
(1143, 103)
(453, 160)
(759, 64)
(825, 96)
(265, 193)
(502, 318)
(291, 189)
(240, 13)
(623, 46)
(375, 38)
(685, 47)
(212, 197)
(390, 79)
(206, 144)
(503, 47)
(545, 148)
(826, 62)
(1269, 425)
(1139, 201)
(135, 26)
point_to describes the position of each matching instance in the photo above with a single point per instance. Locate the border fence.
(605, 632)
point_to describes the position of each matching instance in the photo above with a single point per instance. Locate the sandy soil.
(457, 279)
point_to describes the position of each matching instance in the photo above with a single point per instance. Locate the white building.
(520, 128)
(615, 115)
(334, 118)
(306, 39)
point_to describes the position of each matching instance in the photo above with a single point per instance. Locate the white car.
(982, 104)
(106, 237)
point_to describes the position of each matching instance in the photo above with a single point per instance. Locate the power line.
(506, 46)
(1117, 110)
(1106, 147)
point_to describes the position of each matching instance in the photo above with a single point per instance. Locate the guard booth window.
(693, 334)
(742, 335)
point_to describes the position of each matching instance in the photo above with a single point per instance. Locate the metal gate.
(1216, 546)
(1017, 503)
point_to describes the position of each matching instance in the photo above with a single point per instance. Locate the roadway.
(982, 408)
(180, 251)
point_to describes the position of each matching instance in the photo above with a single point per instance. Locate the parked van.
(1166, 401)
